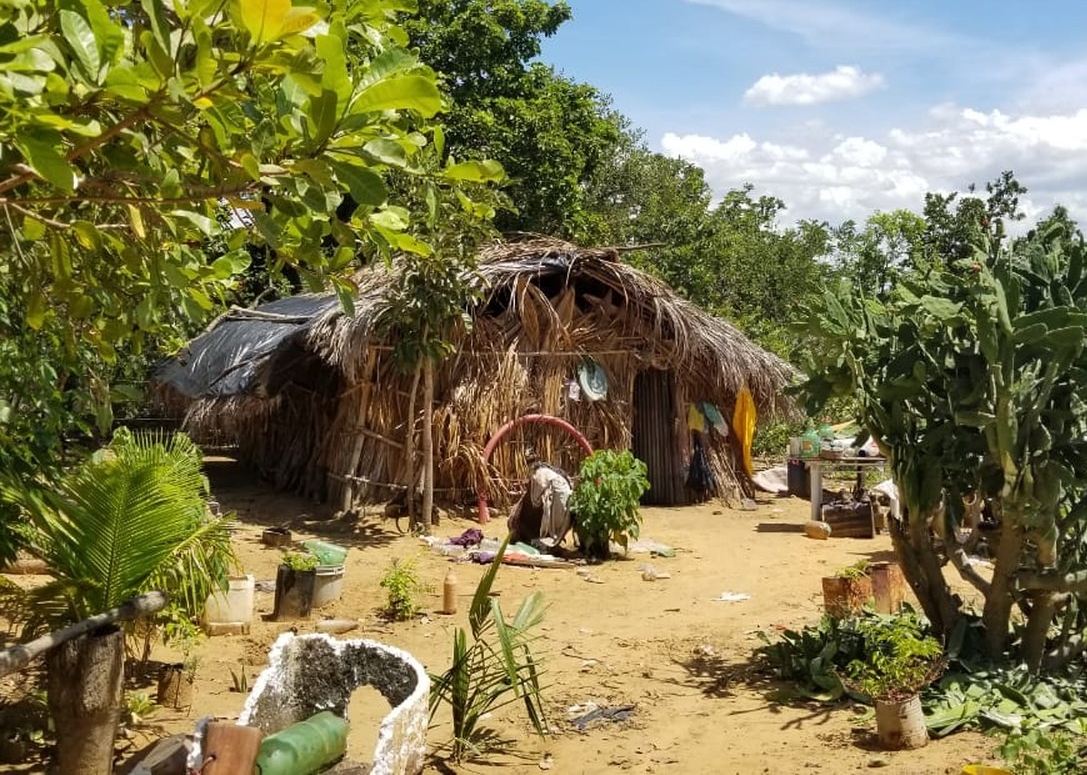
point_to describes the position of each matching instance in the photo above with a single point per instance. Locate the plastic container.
(326, 553)
(809, 444)
(302, 748)
(328, 585)
(231, 612)
(449, 593)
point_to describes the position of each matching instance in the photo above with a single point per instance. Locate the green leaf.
(80, 37)
(405, 92)
(263, 18)
(45, 158)
(206, 225)
(160, 26)
(475, 171)
(323, 112)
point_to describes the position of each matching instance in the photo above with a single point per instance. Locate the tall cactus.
(975, 378)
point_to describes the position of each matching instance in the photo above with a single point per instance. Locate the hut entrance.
(654, 440)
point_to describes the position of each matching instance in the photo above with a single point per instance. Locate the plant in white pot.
(900, 660)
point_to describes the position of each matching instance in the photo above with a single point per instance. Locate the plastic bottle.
(810, 444)
(305, 747)
(449, 593)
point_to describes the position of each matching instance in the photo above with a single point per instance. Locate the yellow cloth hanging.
(743, 425)
(695, 419)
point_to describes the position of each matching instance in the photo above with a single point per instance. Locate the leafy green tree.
(555, 137)
(875, 257)
(137, 138)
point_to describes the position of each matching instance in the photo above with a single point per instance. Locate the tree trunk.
(409, 444)
(1034, 638)
(428, 444)
(85, 678)
(998, 605)
(913, 549)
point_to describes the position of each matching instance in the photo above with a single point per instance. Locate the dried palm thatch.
(312, 396)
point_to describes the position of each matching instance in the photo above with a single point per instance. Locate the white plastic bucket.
(328, 586)
(232, 610)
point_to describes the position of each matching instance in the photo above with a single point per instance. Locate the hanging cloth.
(593, 381)
(714, 418)
(695, 420)
(743, 425)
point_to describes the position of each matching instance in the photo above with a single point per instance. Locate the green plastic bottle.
(810, 444)
(303, 748)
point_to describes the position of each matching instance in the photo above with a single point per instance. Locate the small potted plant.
(175, 683)
(900, 660)
(296, 579)
(606, 499)
(847, 592)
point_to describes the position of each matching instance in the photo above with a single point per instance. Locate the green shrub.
(402, 583)
(606, 499)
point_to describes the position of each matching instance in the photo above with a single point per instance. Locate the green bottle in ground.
(305, 747)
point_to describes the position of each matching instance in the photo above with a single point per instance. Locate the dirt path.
(667, 647)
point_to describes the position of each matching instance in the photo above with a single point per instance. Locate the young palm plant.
(131, 520)
(493, 666)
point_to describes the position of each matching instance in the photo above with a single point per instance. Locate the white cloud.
(842, 83)
(835, 177)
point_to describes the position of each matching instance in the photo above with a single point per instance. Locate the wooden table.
(816, 467)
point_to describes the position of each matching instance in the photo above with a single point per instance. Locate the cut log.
(85, 678)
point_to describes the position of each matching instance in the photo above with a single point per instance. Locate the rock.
(818, 530)
(162, 757)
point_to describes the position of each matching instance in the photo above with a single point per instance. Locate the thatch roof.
(245, 349)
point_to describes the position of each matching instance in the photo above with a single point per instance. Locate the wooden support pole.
(17, 657)
(360, 439)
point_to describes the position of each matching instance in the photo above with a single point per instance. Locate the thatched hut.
(311, 396)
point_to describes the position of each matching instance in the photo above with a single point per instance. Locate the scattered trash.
(547, 762)
(652, 547)
(337, 626)
(649, 573)
(265, 586)
(817, 530)
(732, 597)
(599, 715)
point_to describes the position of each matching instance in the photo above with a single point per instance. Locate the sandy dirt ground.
(682, 658)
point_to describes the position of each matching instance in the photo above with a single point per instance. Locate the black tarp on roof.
(226, 360)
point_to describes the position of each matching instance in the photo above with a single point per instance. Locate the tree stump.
(85, 678)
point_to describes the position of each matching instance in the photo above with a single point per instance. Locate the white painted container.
(231, 612)
(328, 586)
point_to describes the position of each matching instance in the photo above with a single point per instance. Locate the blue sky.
(844, 108)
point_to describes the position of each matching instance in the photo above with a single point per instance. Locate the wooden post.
(409, 443)
(428, 443)
(360, 438)
(85, 678)
(230, 749)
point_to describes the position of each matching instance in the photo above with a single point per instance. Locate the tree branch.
(958, 558)
(1052, 582)
(17, 657)
(138, 115)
